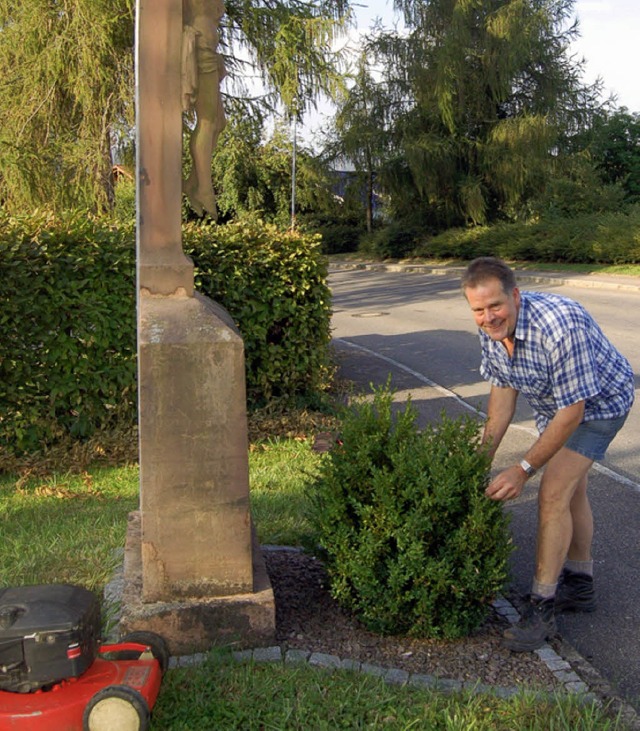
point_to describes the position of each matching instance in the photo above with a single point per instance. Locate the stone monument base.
(197, 625)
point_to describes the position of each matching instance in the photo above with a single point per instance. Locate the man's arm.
(502, 406)
(509, 483)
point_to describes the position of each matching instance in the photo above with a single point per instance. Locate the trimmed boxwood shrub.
(412, 544)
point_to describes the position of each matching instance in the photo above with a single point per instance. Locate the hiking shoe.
(575, 593)
(536, 626)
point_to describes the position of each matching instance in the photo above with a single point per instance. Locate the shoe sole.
(574, 609)
(518, 646)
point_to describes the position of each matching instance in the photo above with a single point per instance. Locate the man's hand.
(507, 485)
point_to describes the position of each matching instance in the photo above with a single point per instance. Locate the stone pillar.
(162, 266)
(193, 572)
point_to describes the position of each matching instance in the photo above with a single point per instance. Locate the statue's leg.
(210, 123)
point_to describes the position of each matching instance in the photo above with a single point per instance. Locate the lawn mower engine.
(47, 633)
(56, 674)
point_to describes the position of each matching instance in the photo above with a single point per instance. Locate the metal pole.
(293, 174)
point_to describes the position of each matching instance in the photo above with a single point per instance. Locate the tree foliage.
(290, 42)
(254, 175)
(615, 150)
(360, 131)
(66, 94)
(479, 92)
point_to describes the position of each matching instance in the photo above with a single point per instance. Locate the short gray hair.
(488, 267)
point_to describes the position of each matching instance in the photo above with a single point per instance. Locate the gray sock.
(579, 567)
(546, 591)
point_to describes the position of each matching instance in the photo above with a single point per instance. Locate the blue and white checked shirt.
(561, 356)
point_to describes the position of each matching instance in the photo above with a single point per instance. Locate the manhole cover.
(370, 314)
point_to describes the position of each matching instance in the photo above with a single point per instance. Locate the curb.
(603, 281)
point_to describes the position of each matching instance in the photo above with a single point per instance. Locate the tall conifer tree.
(484, 91)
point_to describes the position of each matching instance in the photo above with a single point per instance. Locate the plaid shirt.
(561, 356)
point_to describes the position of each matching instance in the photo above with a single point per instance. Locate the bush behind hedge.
(609, 238)
(412, 544)
(68, 319)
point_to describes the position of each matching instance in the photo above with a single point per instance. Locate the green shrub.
(412, 544)
(607, 238)
(273, 283)
(340, 238)
(393, 241)
(68, 319)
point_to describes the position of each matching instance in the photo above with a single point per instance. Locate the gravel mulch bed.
(307, 618)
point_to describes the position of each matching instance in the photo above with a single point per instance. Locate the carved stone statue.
(202, 72)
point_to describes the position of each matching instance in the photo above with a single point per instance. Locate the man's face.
(494, 310)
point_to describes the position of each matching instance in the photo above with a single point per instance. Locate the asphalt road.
(417, 327)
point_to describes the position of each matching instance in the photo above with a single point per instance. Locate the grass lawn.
(69, 528)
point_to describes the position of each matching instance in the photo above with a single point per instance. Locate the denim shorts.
(592, 438)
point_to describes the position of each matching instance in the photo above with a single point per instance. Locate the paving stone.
(348, 664)
(576, 687)
(567, 677)
(558, 664)
(321, 659)
(184, 661)
(423, 680)
(446, 684)
(547, 653)
(370, 669)
(267, 654)
(296, 656)
(506, 693)
(395, 676)
(242, 655)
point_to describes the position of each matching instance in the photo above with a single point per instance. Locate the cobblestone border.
(594, 690)
(561, 669)
(393, 676)
(575, 675)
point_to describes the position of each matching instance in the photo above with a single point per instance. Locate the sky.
(609, 41)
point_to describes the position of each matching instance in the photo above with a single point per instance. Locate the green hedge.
(67, 318)
(412, 544)
(273, 283)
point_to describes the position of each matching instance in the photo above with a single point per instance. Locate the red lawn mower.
(56, 675)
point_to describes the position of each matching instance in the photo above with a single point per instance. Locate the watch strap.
(528, 469)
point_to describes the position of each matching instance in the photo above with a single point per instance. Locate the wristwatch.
(528, 469)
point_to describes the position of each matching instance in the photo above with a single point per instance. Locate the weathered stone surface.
(192, 571)
(163, 267)
(196, 531)
(197, 625)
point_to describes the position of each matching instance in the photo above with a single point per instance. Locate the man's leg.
(582, 519)
(575, 592)
(564, 479)
(565, 521)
